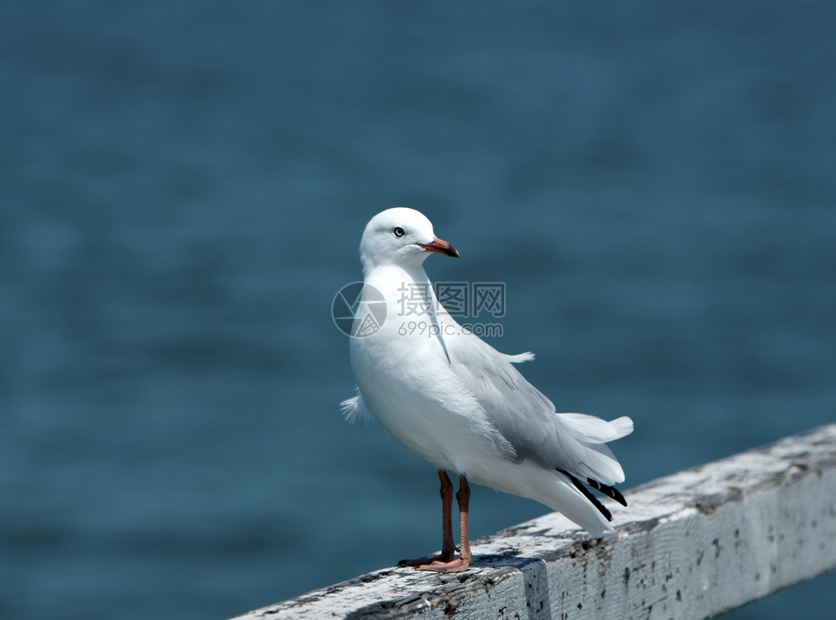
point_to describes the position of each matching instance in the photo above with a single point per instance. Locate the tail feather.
(595, 430)
(595, 461)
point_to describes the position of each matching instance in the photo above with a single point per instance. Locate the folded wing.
(573, 443)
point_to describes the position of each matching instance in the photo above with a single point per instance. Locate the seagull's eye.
(398, 231)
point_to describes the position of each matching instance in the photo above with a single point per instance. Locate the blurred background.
(184, 186)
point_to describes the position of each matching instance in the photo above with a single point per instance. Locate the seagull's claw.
(442, 558)
(442, 563)
(456, 565)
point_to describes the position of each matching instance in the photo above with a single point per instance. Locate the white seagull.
(460, 404)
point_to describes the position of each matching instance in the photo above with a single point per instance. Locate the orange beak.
(440, 246)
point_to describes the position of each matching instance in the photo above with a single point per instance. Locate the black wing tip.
(586, 493)
(608, 491)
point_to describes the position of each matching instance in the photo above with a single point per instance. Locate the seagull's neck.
(398, 274)
(408, 290)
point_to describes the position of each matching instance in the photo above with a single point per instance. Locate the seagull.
(458, 403)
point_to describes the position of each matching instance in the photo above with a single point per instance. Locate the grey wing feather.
(527, 419)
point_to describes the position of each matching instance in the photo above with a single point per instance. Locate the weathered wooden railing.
(691, 545)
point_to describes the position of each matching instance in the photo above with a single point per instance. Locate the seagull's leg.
(456, 565)
(448, 547)
(463, 497)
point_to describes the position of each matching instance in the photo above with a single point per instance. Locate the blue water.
(183, 190)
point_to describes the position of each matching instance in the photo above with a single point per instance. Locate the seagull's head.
(400, 236)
